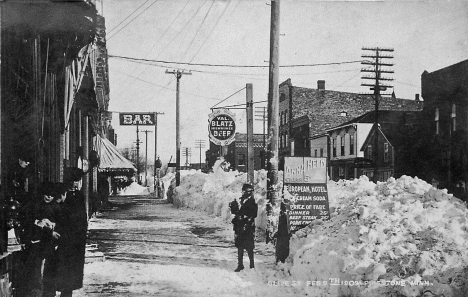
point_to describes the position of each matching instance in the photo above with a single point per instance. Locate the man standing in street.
(244, 213)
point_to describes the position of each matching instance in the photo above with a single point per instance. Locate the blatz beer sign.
(222, 126)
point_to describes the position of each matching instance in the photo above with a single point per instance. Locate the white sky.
(426, 35)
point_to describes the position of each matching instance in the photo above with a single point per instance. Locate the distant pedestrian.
(245, 212)
(282, 235)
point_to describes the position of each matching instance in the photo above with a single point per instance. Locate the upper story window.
(342, 140)
(351, 144)
(282, 97)
(386, 149)
(321, 152)
(369, 152)
(436, 119)
(334, 146)
(315, 153)
(454, 117)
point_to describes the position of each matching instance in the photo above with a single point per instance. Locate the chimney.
(416, 97)
(321, 85)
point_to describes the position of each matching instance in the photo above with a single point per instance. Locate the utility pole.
(250, 139)
(262, 116)
(376, 64)
(156, 169)
(178, 74)
(200, 143)
(186, 152)
(146, 155)
(138, 154)
(273, 108)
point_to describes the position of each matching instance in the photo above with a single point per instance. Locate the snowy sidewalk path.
(154, 249)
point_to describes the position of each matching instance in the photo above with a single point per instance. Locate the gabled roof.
(324, 107)
(370, 135)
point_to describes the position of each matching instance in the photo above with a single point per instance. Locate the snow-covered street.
(152, 248)
(397, 238)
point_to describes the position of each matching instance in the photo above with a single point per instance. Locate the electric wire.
(156, 43)
(211, 30)
(198, 29)
(115, 27)
(228, 97)
(108, 38)
(231, 65)
(167, 46)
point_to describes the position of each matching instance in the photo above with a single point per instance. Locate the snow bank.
(213, 192)
(134, 189)
(400, 237)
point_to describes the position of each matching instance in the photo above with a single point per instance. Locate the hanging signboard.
(222, 126)
(137, 118)
(305, 179)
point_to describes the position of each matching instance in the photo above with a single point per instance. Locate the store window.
(241, 159)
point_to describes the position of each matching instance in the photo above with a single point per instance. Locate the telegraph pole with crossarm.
(377, 70)
(178, 74)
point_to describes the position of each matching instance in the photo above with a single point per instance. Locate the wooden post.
(250, 140)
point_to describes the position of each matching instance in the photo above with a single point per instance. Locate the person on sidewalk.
(244, 213)
(41, 237)
(282, 235)
(72, 225)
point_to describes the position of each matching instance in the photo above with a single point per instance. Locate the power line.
(172, 40)
(230, 65)
(115, 27)
(198, 30)
(156, 43)
(212, 29)
(228, 97)
(132, 20)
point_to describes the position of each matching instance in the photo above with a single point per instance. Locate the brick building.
(306, 114)
(445, 94)
(351, 146)
(236, 153)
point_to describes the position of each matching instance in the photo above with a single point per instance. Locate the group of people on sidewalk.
(53, 235)
(245, 211)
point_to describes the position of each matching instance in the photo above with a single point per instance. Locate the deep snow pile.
(397, 238)
(402, 231)
(134, 189)
(212, 193)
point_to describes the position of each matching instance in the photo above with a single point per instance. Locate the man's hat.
(247, 187)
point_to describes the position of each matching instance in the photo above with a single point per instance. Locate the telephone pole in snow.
(273, 125)
(200, 143)
(377, 86)
(178, 74)
(146, 155)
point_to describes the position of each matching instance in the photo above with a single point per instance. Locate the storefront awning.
(110, 158)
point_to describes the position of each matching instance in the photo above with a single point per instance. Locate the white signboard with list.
(305, 179)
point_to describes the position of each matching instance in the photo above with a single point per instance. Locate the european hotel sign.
(305, 179)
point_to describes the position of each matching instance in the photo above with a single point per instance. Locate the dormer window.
(343, 114)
